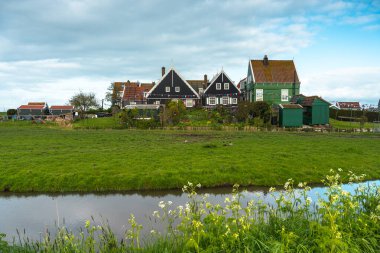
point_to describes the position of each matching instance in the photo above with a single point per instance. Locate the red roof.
(36, 103)
(38, 107)
(135, 92)
(61, 107)
(274, 71)
(349, 105)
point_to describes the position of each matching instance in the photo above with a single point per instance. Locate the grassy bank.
(349, 125)
(49, 159)
(339, 221)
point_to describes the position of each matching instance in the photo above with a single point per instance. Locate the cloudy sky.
(49, 50)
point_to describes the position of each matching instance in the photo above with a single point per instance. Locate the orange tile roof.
(36, 103)
(62, 107)
(276, 71)
(40, 107)
(133, 91)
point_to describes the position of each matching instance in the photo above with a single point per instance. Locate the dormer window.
(167, 89)
(226, 86)
(218, 86)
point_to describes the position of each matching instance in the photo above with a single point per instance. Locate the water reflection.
(37, 213)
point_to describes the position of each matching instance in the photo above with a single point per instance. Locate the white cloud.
(69, 44)
(354, 83)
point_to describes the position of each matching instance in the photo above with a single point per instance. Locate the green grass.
(50, 159)
(348, 125)
(98, 123)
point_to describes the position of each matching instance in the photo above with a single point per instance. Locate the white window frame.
(210, 99)
(234, 101)
(167, 88)
(177, 89)
(188, 101)
(145, 93)
(259, 95)
(226, 86)
(157, 102)
(224, 100)
(284, 95)
(200, 91)
(218, 86)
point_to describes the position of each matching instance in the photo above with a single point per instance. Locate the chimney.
(205, 81)
(265, 60)
(163, 71)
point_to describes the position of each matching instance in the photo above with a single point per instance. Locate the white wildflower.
(161, 204)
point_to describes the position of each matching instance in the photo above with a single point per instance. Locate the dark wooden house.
(173, 87)
(59, 110)
(221, 91)
(32, 110)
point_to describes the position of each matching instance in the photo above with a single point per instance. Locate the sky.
(51, 50)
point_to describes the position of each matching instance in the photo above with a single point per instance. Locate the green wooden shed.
(315, 109)
(290, 115)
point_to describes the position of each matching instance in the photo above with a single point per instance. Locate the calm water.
(37, 213)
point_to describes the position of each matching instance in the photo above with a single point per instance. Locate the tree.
(175, 110)
(83, 102)
(11, 112)
(113, 95)
(262, 110)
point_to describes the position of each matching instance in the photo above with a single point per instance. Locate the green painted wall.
(272, 91)
(291, 117)
(317, 114)
(320, 113)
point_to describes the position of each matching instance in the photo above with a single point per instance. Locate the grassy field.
(47, 159)
(348, 125)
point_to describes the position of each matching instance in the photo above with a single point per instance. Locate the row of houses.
(272, 81)
(221, 90)
(41, 110)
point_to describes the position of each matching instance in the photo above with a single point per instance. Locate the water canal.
(37, 213)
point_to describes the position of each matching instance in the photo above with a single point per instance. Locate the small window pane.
(226, 86)
(167, 89)
(218, 86)
(177, 89)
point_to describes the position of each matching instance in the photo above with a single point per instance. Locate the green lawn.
(39, 158)
(348, 125)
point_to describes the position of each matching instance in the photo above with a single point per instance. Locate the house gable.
(222, 79)
(172, 85)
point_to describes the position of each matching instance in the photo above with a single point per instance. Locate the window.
(212, 101)
(225, 100)
(259, 95)
(177, 89)
(145, 93)
(132, 103)
(226, 86)
(157, 102)
(218, 86)
(284, 94)
(189, 103)
(234, 101)
(200, 91)
(167, 89)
